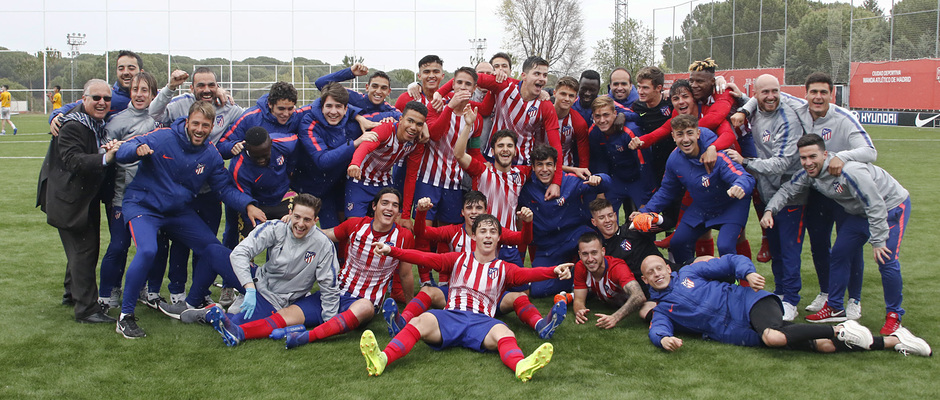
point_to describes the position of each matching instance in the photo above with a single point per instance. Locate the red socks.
(526, 311)
(705, 247)
(403, 342)
(263, 327)
(341, 323)
(744, 248)
(509, 352)
(418, 305)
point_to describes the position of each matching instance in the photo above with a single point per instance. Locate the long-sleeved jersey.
(438, 166)
(778, 159)
(178, 107)
(122, 126)
(560, 221)
(712, 113)
(292, 265)
(168, 180)
(611, 154)
(697, 301)
(474, 286)
(325, 150)
(500, 188)
(260, 115)
(711, 204)
(862, 189)
(530, 120)
(368, 109)
(575, 149)
(266, 184)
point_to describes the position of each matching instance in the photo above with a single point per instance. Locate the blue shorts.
(313, 311)
(447, 202)
(463, 328)
(359, 198)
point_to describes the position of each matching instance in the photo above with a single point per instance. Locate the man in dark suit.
(79, 162)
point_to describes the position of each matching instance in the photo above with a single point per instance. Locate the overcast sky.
(389, 34)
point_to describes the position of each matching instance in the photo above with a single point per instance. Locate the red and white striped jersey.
(610, 287)
(366, 275)
(501, 189)
(376, 159)
(531, 120)
(438, 166)
(574, 138)
(475, 286)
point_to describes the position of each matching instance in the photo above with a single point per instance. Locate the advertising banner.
(895, 85)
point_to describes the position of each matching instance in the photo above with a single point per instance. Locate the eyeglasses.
(98, 98)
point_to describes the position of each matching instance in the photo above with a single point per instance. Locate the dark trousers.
(81, 251)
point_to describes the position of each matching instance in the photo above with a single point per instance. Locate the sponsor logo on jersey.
(219, 120)
(765, 136)
(308, 256)
(837, 187)
(625, 244)
(492, 272)
(532, 111)
(688, 283)
(200, 169)
(826, 134)
(280, 160)
(705, 182)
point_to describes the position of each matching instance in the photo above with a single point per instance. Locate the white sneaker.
(818, 302)
(789, 311)
(856, 335)
(911, 344)
(853, 309)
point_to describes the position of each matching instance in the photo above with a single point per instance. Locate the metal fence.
(797, 35)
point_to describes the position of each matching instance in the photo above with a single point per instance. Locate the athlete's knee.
(362, 309)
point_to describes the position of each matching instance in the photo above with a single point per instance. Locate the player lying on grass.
(696, 299)
(460, 239)
(606, 277)
(477, 280)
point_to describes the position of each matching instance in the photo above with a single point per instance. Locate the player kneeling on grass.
(477, 280)
(606, 277)
(697, 299)
(459, 238)
(277, 294)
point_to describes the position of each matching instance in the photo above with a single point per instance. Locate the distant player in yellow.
(56, 97)
(5, 99)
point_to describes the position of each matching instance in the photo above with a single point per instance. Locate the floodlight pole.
(478, 46)
(75, 42)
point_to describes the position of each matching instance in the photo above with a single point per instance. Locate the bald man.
(776, 130)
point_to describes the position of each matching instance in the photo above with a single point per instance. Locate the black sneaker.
(152, 302)
(127, 326)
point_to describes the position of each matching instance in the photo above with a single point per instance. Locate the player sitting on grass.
(606, 277)
(477, 281)
(277, 293)
(460, 239)
(697, 299)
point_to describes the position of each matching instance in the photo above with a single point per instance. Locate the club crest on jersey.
(705, 182)
(532, 111)
(200, 169)
(308, 256)
(688, 283)
(826, 134)
(219, 120)
(492, 272)
(765, 137)
(565, 131)
(349, 206)
(560, 201)
(625, 245)
(619, 148)
(280, 160)
(837, 187)
(666, 111)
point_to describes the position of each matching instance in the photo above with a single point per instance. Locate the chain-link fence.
(800, 36)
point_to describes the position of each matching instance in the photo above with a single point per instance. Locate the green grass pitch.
(44, 354)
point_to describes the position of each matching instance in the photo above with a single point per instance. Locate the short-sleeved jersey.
(366, 275)
(57, 101)
(501, 189)
(575, 150)
(438, 166)
(5, 99)
(609, 287)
